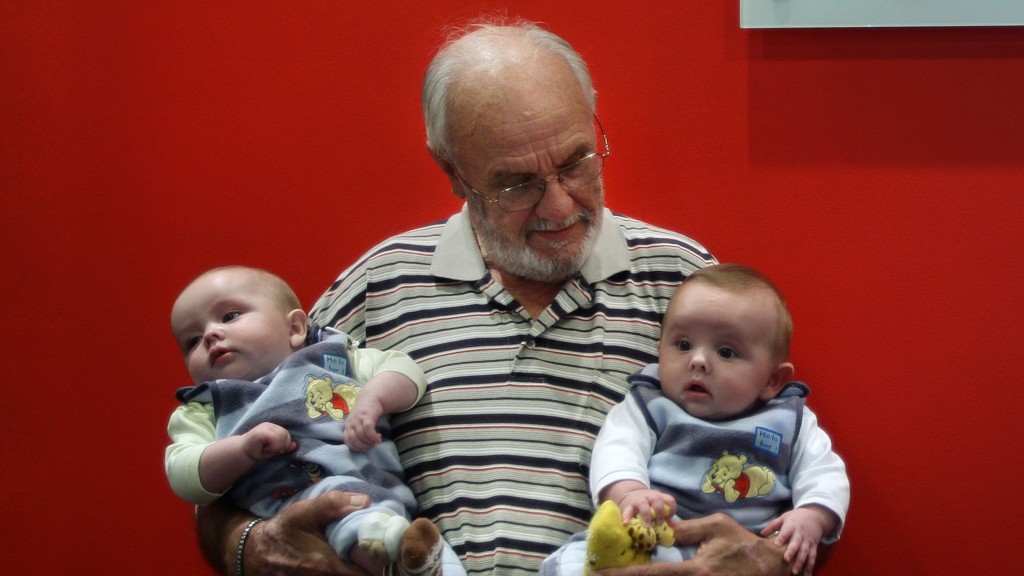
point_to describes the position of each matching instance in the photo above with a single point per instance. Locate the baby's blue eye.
(727, 353)
(231, 316)
(684, 346)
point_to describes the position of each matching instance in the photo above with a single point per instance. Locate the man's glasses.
(572, 177)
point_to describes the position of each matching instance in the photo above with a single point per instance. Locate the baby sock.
(381, 535)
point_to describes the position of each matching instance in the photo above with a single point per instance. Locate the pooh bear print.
(735, 481)
(323, 397)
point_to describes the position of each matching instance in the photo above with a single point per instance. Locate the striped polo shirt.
(498, 449)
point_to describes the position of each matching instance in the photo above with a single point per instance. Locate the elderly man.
(527, 311)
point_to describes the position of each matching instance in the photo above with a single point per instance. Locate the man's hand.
(290, 543)
(726, 549)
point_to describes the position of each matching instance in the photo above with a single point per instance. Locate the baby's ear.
(297, 326)
(782, 375)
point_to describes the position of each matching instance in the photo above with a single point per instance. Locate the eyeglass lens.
(572, 177)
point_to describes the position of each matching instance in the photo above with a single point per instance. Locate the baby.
(271, 420)
(717, 426)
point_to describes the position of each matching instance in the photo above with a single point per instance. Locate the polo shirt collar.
(458, 257)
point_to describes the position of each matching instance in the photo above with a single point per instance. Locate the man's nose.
(557, 203)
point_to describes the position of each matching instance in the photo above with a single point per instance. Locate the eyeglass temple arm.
(604, 136)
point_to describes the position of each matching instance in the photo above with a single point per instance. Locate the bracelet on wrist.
(241, 545)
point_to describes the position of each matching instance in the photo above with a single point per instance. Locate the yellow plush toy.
(612, 544)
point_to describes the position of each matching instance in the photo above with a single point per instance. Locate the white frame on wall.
(880, 13)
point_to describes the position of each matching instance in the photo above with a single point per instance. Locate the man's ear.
(449, 169)
(297, 326)
(782, 375)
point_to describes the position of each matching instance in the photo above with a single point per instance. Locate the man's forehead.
(521, 123)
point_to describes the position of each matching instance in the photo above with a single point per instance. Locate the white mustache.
(546, 225)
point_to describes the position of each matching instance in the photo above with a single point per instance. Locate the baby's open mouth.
(696, 387)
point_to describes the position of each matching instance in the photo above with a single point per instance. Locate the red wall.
(876, 174)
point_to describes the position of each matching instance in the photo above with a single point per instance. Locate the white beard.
(521, 260)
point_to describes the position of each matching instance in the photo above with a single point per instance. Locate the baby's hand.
(267, 440)
(361, 425)
(652, 506)
(800, 531)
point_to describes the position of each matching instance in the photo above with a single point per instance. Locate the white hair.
(452, 59)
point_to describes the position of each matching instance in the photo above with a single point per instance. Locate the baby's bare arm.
(385, 393)
(226, 460)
